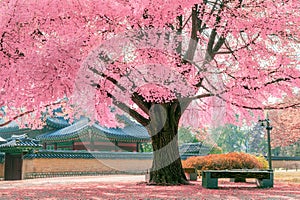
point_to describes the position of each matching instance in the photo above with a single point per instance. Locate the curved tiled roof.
(20, 142)
(132, 132)
(68, 133)
(2, 139)
(52, 123)
(9, 129)
(57, 122)
(198, 148)
(12, 126)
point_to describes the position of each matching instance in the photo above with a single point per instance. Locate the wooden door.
(13, 167)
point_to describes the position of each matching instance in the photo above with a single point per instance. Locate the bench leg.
(266, 183)
(193, 176)
(208, 182)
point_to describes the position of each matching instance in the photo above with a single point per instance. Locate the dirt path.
(130, 187)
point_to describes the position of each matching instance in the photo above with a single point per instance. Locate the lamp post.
(269, 128)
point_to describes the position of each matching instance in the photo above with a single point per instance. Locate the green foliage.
(233, 160)
(291, 150)
(185, 135)
(146, 147)
(216, 150)
(256, 141)
(230, 138)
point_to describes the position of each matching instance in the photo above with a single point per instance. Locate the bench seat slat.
(228, 174)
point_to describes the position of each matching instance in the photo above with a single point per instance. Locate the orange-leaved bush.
(263, 161)
(233, 160)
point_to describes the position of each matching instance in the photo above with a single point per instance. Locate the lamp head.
(261, 122)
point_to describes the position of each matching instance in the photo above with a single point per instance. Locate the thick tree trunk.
(166, 167)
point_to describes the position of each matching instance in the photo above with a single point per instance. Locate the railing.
(284, 158)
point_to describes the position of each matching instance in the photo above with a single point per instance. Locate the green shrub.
(232, 160)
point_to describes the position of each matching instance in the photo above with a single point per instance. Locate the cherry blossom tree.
(162, 62)
(286, 124)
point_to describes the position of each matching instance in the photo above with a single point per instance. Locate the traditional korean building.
(8, 131)
(24, 158)
(27, 152)
(194, 149)
(15, 148)
(82, 135)
(2, 140)
(60, 134)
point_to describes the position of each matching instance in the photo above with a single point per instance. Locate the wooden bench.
(264, 177)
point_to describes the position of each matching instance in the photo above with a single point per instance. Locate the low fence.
(46, 163)
(286, 163)
(73, 163)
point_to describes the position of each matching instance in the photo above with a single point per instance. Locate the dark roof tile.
(20, 141)
(132, 132)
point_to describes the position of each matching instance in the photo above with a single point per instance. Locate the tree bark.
(166, 167)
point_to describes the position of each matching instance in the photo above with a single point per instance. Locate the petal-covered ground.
(132, 187)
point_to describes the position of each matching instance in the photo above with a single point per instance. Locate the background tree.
(257, 140)
(185, 135)
(173, 61)
(249, 139)
(230, 138)
(286, 124)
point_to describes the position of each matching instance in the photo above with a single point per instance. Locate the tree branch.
(270, 82)
(189, 56)
(26, 113)
(142, 120)
(201, 96)
(143, 105)
(274, 107)
(231, 51)
(139, 100)
(112, 80)
(218, 45)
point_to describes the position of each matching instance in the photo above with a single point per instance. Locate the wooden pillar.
(73, 145)
(92, 144)
(116, 146)
(55, 146)
(141, 147)
(137, 147)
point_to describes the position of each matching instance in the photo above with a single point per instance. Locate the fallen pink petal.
(133, 187)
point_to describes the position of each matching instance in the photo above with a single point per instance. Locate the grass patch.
(287, 176)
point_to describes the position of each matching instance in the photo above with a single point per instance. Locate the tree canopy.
(162, 62)
(286, 124)
(252, 48)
